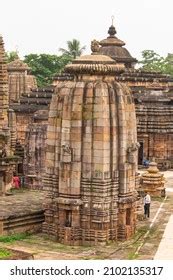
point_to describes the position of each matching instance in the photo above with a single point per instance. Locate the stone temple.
(89, 168)
(19, 79)
(91, 155)
(152, 94)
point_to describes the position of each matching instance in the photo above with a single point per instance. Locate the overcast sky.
(43, 26)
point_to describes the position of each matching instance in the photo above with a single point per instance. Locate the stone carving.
(131, 152)
(98, 174)
(95, 46)
(66, 155)
(3, 152)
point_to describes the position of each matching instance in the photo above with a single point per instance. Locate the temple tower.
(114, 47)
(20, 80)
(3, 88)
(7, 160)
(91, 155)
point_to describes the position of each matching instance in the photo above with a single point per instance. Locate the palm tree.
(73, 49)
(11, 56)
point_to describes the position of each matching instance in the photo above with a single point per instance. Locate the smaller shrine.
(20, 79)
(153, 181)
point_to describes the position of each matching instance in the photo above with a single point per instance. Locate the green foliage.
(73, 49)
(152, 61)
(11, 56)
(14, 237)
(4, 253)
(169, 64)
(45, 66)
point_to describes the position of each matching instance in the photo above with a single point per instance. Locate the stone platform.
(21, 212)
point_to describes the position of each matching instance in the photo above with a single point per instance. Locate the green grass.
(20, 190)
(14, 237)
(157, 198)
(4, 253)
(132, 256)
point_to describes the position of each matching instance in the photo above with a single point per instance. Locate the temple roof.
(113, 47)
(37, 99)
(142, 75)
(17, 65)
(140, 80)
(112, 40)
(95, 63)
(154, 111)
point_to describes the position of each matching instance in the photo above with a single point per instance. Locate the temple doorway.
(141, 153)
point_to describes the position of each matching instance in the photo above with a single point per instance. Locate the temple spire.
(3, 86)
(112, 31)
(17, 52)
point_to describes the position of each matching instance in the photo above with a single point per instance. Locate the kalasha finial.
(95, 46)
(112, 30)
(112, 17)
(17, 51)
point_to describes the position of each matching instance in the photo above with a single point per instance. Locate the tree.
(45, 66)
(11, 56)
(169, 64)
(152, 61)
(73, 49)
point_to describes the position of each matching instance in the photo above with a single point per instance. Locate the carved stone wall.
(35, 154)
(154, 113)
(23, 120)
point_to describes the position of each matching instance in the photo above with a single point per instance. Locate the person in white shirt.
(147, 202)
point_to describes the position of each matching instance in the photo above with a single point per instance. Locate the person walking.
(147, 202)
(16, 182)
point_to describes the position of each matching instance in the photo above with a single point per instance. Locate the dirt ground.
(143, 245)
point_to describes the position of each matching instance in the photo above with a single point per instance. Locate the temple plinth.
(153, 181)
(91, 156)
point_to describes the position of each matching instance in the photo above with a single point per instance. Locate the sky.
(44, 26)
